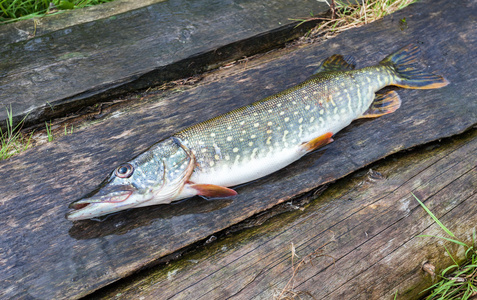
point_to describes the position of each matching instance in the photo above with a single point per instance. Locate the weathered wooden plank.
(25, 30)
(371, 223)
(44, 256)
(164, 41)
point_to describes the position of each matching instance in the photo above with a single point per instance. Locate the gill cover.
(156, 176)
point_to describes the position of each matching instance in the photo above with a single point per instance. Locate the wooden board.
(368, 221)
(45, 256)
(57, 72)
(26, 29)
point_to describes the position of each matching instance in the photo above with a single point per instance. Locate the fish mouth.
(98, 205)
(114, 197)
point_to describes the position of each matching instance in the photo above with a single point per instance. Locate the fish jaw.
(99, 205)
(155, 177)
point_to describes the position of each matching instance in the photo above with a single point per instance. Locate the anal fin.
(212, 190)
(383, 104)
(318, 142)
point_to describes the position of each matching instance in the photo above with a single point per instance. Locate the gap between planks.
(244, 269)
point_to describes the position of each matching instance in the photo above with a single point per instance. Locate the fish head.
(155, 177)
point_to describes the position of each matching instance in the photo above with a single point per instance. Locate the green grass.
(15, 10)
(11, 140)
(48, 132)
(68, 131)
(458, 281)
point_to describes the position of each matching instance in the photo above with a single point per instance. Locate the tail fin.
(404, 62)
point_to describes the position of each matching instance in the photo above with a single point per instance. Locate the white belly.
(243, 171)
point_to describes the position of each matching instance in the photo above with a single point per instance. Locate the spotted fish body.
(258, 139)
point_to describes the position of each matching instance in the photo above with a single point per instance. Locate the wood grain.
(54, 73)
(369, 224)
(44, 256)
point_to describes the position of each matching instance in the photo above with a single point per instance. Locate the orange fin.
(336, 63)
(409, 74)
(213, 191)
(318, 142)
(383, 104)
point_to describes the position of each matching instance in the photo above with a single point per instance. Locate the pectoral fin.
(318, 142)
(383, 104)
(212, 191)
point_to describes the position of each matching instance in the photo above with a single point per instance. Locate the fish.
(250, 142)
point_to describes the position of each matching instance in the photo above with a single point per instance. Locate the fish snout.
(104, 201)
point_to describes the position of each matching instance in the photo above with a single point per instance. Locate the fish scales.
(258, 139)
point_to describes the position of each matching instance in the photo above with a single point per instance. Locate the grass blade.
(444, 238)
(11, 140)
(48, 132)
(434, 217)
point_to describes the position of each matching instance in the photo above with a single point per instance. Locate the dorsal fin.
(337, 62)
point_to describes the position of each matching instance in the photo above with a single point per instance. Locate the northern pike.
(258, 139)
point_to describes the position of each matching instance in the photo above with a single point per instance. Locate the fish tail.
(409, 73)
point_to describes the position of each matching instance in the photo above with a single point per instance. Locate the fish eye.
(124, 171)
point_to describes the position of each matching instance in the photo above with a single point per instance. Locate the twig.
(316, 253)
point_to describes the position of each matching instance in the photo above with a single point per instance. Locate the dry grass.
(347, 16)
(289, 292)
